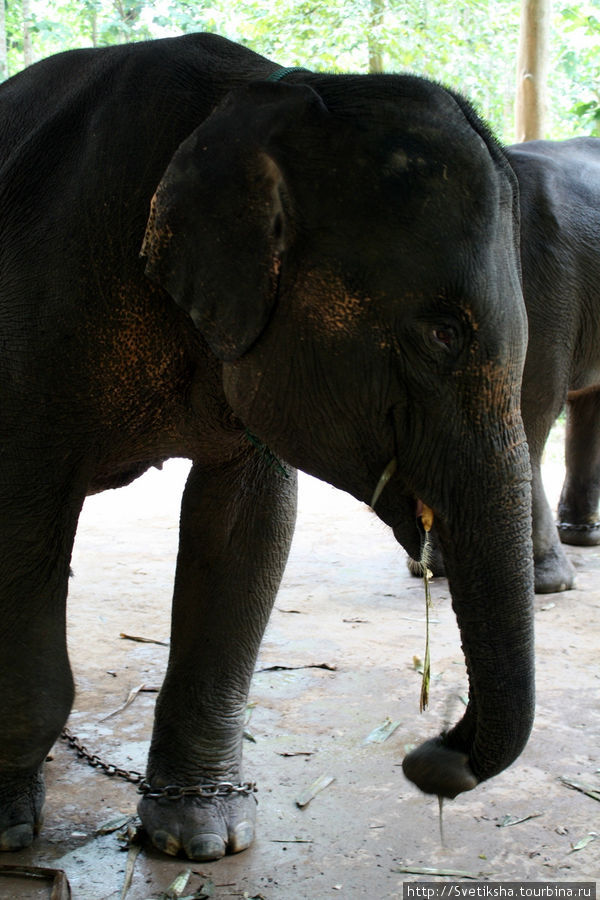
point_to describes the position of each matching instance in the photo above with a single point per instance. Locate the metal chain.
(206, 791)
(170, 792)
(96, 763)
(566, 526)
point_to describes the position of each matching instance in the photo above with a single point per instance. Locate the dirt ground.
(347, 601)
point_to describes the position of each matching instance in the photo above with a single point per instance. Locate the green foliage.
(589, 116)
(576, 81)
(470, 46)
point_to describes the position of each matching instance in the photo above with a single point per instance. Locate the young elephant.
(559, 195)
(559, 185)
(333, 270)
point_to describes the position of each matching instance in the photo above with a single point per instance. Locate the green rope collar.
(272, 461)
(284, 72)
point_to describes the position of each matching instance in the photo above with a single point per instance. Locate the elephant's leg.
(578, 505)
(553, 571)
(37, 528)
(236, 528)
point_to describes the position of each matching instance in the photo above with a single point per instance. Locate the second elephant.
(559, 185)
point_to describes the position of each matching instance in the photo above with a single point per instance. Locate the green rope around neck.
(272, 461)
(284, 72)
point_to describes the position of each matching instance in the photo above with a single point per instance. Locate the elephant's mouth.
(403, 514)
(409, 532)
(399, 508)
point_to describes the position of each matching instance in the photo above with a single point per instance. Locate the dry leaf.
(143, 640)
(591, 836)
(132, 854)
(315, 788)
(382, 732)
(178, 885)
(115, 825)
(452, 873)
(296, 753)
(327, 666)
(516, 820)
(591, 790)
(292, 841)
(146, 688)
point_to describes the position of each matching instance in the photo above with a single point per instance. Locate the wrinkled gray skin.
(560, 207)
(559, 190)
(331, 263)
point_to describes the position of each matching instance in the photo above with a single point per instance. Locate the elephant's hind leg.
(553, 571)
(36, 688)
(578, 521)
(236, 528)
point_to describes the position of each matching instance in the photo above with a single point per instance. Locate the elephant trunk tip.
(436, 768)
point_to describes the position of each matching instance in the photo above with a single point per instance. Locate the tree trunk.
(27, 48)
(532, 67)
(3, 47)
(374, 39)
(94, 23)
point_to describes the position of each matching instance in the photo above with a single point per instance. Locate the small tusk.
(385, 477)
(426, 517)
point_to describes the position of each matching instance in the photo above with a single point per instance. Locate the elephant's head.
(350, 254)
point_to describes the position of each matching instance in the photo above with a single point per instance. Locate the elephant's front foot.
(586, 534)
(199, 827)
(21, 805)
(553, 572)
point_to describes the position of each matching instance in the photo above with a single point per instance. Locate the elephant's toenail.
(242, 836)
(206, 846)
(164, 841)
(17, 837)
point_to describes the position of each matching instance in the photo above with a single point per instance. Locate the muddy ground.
(347, 601)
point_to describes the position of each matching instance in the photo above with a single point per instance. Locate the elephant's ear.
(219, 222)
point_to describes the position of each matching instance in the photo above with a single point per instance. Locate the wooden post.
(532, 69)
(374, 40)
(27, 47)
(3, 47)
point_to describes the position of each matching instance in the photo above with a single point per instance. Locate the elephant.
(329, 264)
(559, 184)
(559, 198)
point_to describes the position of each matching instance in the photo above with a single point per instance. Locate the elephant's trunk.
(493, 602)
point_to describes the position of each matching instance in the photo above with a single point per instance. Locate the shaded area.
(335, 705)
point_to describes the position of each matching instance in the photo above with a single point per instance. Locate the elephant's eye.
(444, 335)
